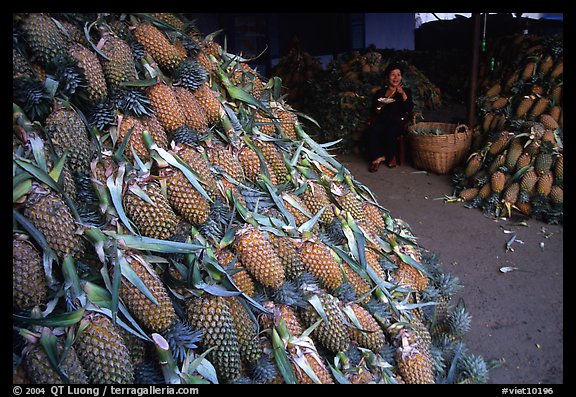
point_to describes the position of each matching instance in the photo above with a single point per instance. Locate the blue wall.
(389, 30)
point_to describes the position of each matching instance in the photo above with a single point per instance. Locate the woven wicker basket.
(439, 153)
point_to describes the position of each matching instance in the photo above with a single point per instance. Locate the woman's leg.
(374, 143)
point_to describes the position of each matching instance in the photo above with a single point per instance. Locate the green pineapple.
(40, 371)
(211, 315)
(29, 286)
(102, 351)
(332, 332)
(50, 214)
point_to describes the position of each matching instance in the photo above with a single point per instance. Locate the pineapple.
(240, 274)
(45, 39)
(316, 198)
(257, 253)
(29, 287)
(558, 69)
(548, 121)
(497, 181)
(274, 159)
(156, 317)
(469, 194)
(184, 199)
(539, 107)
(348, 202)
(299, 216)
(524, 160)
(225, 158)
(69, 133)
(102, 351)
(158, 46)
(332, 333)
(50, 214)
(514, 151)
(319, 260)
(360, 286)
(154, 219)
(373, 216)
(510, 195)
(544, 183)
(523, 106)
(201, 167)
(559, 169)
(413, 357)
(211, 315)
(289, 256)
(408, 276)
(527, 184)
(543, 160)
(246, 330)
(193, 112)
(287, 120)
(39, 370)
(89, 63)
(119, 67)
(157, 132)
(473, 164)
(494, 90)
(251, 165)
(209, 101)
(369, 334)
(166, 107)
(135, 142)
(557, 195)
(171, 19)
(189, 74)
(497, 146)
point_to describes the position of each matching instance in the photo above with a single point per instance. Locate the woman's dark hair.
(392, 66)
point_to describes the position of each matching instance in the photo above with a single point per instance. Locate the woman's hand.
(400, 90)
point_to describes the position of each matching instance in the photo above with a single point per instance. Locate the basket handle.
(461, 126)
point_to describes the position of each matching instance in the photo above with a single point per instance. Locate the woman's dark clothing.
(381, 136)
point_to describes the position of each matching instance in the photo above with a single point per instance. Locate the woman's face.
(395, 77)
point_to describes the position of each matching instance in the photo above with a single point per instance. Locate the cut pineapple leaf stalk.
(169, 366)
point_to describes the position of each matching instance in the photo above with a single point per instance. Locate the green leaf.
(37, 235)
(49, 343)
(142, 243)
(135, 280)
(282, 360)
(314, 300)
(56, 172)
(115, 189)
(97, 295)
(21, 189)
(66, 319)
(43, 177)
(71, 276)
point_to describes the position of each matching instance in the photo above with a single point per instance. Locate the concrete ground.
(517, 316)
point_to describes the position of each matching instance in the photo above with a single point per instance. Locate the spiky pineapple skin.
(166, 106)
(332, 334)
(48, 211)
(211, 315)
(46, 41)
(256, 252)
(29, 286)
(119, 67)
(68, 133)
(158, 46)
(157, 219)
(40, 371)
(154, 317)
(246, 330)
(103, 353)
(318, 260)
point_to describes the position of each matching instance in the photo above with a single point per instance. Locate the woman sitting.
(391, 108)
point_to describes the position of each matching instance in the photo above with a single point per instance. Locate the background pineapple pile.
(339, 98)
(517, 158)
(173, 222)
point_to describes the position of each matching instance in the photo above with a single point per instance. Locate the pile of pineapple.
(517, 158)
(339, 98)
(173, 223)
